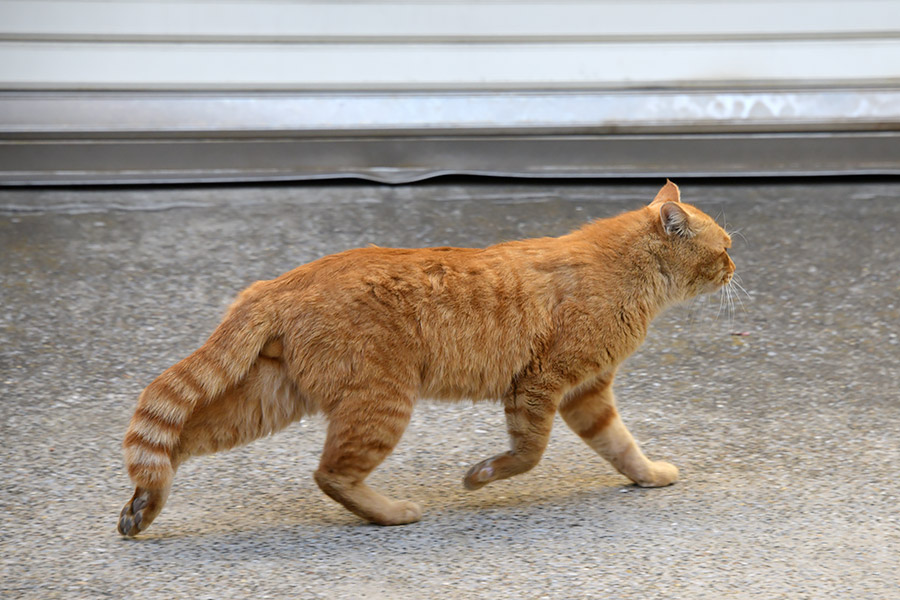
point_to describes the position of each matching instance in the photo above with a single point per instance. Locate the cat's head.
(693, 246)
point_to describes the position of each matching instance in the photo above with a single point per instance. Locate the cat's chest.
(597, 333)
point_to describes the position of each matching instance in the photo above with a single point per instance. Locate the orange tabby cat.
(539, 324)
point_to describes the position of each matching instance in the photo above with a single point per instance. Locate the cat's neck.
(626, 248)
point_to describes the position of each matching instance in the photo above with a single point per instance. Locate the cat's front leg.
(529, 418)
(591, 413)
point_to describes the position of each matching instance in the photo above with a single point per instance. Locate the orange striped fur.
(539, 324)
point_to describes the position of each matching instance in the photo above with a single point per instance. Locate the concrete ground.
(787, 436)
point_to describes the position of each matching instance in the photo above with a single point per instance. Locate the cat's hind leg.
(591, 413)
(363, 429)
(266, 401)
(262, 403)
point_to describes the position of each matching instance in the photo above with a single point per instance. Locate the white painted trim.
(28, 65)
(294, 45)
(418, 113)
(443, 20)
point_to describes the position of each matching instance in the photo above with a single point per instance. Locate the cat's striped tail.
(165, 405)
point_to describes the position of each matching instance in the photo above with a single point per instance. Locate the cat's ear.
(668, 193)
(675, 220)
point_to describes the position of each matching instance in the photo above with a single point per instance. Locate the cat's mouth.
(717, 284)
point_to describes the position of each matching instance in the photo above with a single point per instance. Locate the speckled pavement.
(787, 436)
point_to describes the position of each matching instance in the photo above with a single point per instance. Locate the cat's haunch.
(539, 324)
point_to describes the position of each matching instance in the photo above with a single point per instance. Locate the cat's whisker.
(731, 298)
(737, 296)
(740, 288)
(722, 293)
(735, 301)
(737, 278)
(729, 305)
(737, 232)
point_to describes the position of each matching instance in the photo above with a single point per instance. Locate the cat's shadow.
(274, 527)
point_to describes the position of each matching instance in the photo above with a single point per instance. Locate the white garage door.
(139, 90)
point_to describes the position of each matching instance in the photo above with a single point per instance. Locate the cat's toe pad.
(137, 513)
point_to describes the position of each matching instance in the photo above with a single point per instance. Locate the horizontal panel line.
(611, 87)
(491, 40)
(175, 135)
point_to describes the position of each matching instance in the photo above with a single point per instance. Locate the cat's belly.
(456, 386)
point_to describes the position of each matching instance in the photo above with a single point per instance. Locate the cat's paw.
(479, 475)
(139, 512)
(661, 474)
(410, 512)
(401, 513)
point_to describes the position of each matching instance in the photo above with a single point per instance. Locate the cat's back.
(469, 318)
(402, 277)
